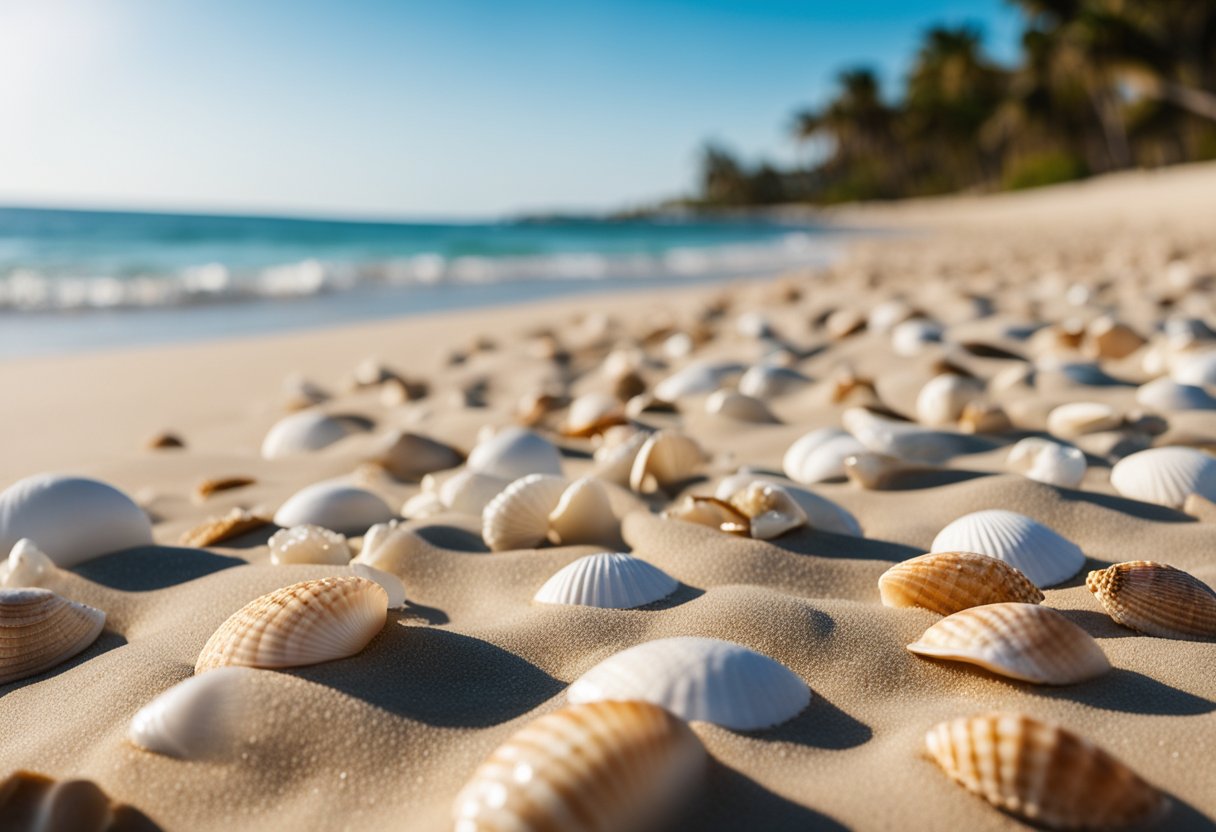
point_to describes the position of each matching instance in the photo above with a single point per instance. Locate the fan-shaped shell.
(386, 545)
(1166, 476)
(1167, 395)
(514, 452)
(600, 767)
(39, 630)
(739, 407)
(942, 400)
(696, 379)
(35, 803)
(71, 519)
(305, 431)
(26, 565)
(1156, 599)
(1078, 418)
(819, 456)
(593, 413)
(609, 580)
(1028, 642)
(518, 518)
(947, 582)
(309, 544)
(666, 458)
(1036, 551)
(334, 505)
(583, 515)
(699, 678)
(767, 381)
(306, 623)
(411, 456)
(1046, 461)
(199, 717)
(1042, 773)
(914, 443)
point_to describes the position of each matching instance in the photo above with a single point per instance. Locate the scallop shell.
(905, 440)
(1036, 551)
(386, 545)
(770, 509)
(1167, 395)
(710, 511)
(1045, 461)
(71, 519)
(767, 381)
(309, 544)
(819, 456)
(306, 623)
(304, 432)
(942, 400)
(518, 518)
(198, 718)
(593, 413)
(821, 513)
(334, 505)
(608, 580)
(584, 515)
(887, 315)
(1166, 476)
(411, 456)
(1079, 418)
(1027, 642)
(35, 803)
(1156, 599)
(699, 678)
(1042, 773)
(667, 458)
(614, 459)
(514, 452)
(947, 582)
(39, 630)
(696, 379)
(601, 767)
(26, 565)
(739, 407)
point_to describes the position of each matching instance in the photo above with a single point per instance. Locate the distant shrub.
(1044, 169)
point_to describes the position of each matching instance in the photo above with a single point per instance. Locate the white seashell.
(666, 458)
(678, 345)
(469, 492)
(942, 400)
(911, 337)
(900, 439)
(583, 515)
(1165, 394)
(199, 718)
(1198, 369)
(614, 459)
(71, 519)
(384, 546)
(819, 455)
(305, 431)
(39, 630)
(876, 472)
(608, 580)
(514, 452)
(1046, 461)
(698, 679)
(518, 518)
(821, 513)
(1036, 551)
(767, 381)
(390, 583)
(1079, 418)
(695, 379)
(592, 413)
(308, 544)
(737, 406)
(1166, 476)
(334, 505)
(887, 315)
(422, 505)
(770, 509)
(26, 565)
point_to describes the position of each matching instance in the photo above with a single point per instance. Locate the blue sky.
(424, 108)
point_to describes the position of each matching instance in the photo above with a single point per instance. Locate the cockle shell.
(599, 767)
(583, 515)
(309, 544)
(905, 440)
(608, 580)
(819, 456)
(699, 678)
(696, 379)
(518, 518)
(1156, 599)
(770, 509)
(71, 519)
(710, 511)
(32, 802)
(767, 381)
(514, 452)
(947, 582)
(1078, 418)
(1036, 551)
(1042, 773)
(1166, 476)
(39, 630)
(821, 513)
(1027, 642)
(26, 565)
(335, 506)
(942, 400)
(1167, 395)
(666, 458)
(593, 413)
(304, 432)
(1046, 461)
(306, 623)
(411, 456)
(739, 407)
(198, 718)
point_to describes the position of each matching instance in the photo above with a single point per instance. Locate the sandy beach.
(386, 738)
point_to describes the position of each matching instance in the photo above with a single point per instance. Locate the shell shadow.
(1097, 624)
(438, 677)
(682, 595)
(107, 641)
(452, 537)
(829, 545)
(734, 801)
(153, 567)
(1135, 508)
(1127, 691)
(413, 612)
(1183, 817)
(922, 479)
(821, 725)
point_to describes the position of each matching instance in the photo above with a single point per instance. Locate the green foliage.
(1044, 169)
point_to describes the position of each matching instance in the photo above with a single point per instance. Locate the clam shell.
(947, 582)
(309, 544)
(1156, 599)
(1079, 418)
(39, 630)
(514, 452)
(601, 767)
(518, 518)
(942, 400)
(71, 519)
(1027, 642)
(1166, 476)
(608, 580)
(1036, 551)
(767, 381)
(699, 678)
(304, 432)
(696, 379)
(905, 440)
(770, 509)
(306, 623)
(614, 459)
(821, 513)
(1167, 395)
(819, 456)
(198, 718)
(26, 565)
(411, 456)
(739, 407)
(35, 803)
(1042, 773)
(584, 515)
(1046, 461)
(334, 505)
(593, 413)
(666, 458)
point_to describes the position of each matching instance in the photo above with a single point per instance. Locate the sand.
(385, 739)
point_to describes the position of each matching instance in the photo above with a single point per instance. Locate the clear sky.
(425, 108)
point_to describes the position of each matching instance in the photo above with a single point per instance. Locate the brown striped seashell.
(32, 802)
(948, 582)
(39, 630)
(1022, 641)
(1156, 599)
(1042, 773)
(218, 529)
(306, 623)
(598, 767)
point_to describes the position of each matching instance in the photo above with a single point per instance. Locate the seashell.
(215, 485)
(593, 413)
(1039, 553)
(1079, 418)
(887, 315)
(71, 519)
(614, 459)
(1167, 395)
(583, 515)
(900, 439)
(942, 400)
(770, 509)
(1108, 338)
(608, 580)
(819, 455)
(984, 417)
(214, 530)
(947, 582)
(767, 381)
(710, 511)
(26, 565)
(912, 337)
(32, 802)
(1027, 642)
(1156, 599)
(821, 513)
(737, 406)
(514, 452)
(754, 325)
(1198, 369)
(411, 456)
(698, 679)
(844, 322)
(518, 518)
(666, 458)
(164, 442)
(1046, 461)
(696, 379)
(385, 545)
(1166, 476)
(876, 472)
(334, 505)
(39, 630)
(390, 583)
(306, 623)
(848, 385)
(304, 432)
(200, 717)
(422, 505)
(600, 767)
(1042, 773)
(308, 544)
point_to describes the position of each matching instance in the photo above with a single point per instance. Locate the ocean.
(82, 280)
